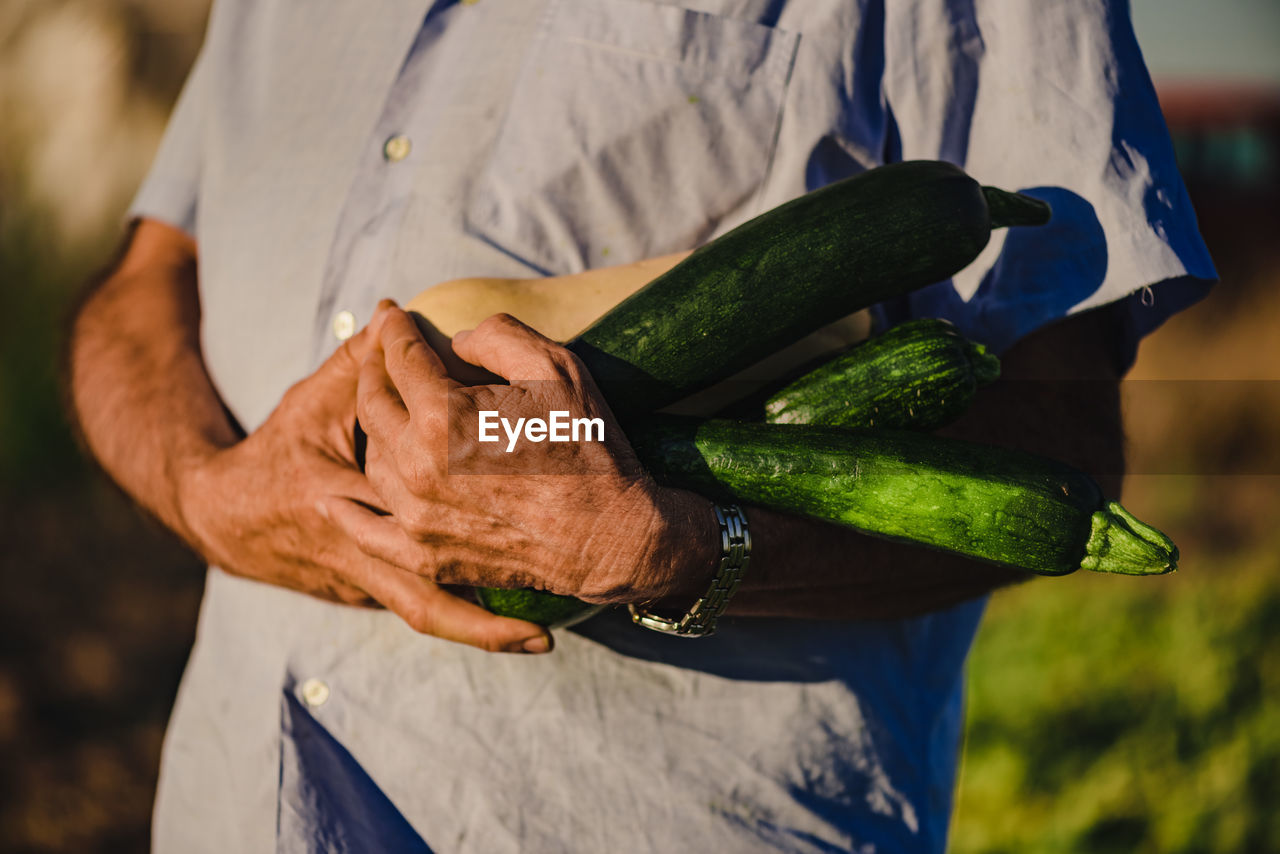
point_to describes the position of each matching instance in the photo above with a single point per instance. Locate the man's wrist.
(700, 618)
(691, 552)
(193, 489)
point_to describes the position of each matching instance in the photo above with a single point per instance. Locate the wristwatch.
(700, 620)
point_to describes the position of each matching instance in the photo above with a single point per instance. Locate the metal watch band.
(700, 620)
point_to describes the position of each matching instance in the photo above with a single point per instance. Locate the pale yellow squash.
(562, 306)
(559, 306)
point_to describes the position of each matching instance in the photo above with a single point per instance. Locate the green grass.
(1134, 715)
(40, 280)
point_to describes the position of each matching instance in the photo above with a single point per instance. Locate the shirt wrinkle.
(560, 135)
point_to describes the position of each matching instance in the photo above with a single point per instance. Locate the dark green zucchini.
(780, 276)
(994, 504)
(537, 606)
(997, 505)
(918, 375)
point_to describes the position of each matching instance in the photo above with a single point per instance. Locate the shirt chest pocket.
(633, 130)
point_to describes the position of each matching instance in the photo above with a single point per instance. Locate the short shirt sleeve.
(1051, 99)
(170, 192)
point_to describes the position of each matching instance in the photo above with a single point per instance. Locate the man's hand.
(249, 505)
(257, 510)
(567, 534)
(256, 504)
(580, 518)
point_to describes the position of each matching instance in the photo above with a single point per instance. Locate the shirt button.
(315, 692)
(397, 148)
(344, 325)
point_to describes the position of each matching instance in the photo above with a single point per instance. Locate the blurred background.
(1105, 714)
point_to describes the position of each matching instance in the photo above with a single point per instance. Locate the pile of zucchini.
(847, 442)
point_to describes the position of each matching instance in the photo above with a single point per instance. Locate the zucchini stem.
(1120, 543)
(1008, 209)
(986, 367)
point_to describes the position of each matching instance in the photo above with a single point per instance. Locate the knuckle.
(404, 347)
(495, 325)
(420, 471)
(447, 572)
(500, 322)
(491, 641)
(348, 595)
(294, 395)
(392, 323)
(462, 415)
(364, 412)
(539, 364)
(345, 356)
(465, 404)
(374, 459)
(416, 520)
(364, 542)
(420, 619)
(567, 367)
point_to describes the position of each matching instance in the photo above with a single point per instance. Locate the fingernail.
(459, 337)
(537, 645)
(322, 510)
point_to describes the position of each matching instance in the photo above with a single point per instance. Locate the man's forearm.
(1059, 397)
(248, 504)
(139, 388)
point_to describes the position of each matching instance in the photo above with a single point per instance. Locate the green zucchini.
(775, 279)
(995, 504)
(778, 277)
(918, 375)
(537, 606)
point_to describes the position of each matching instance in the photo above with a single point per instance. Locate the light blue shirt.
(550, 136)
